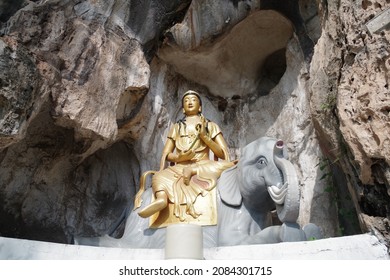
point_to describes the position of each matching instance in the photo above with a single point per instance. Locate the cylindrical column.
(184, 241)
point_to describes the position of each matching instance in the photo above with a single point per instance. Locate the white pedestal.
(184, 241)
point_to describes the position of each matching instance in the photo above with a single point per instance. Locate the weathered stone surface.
(98, 49)
(52, 196)
(21, 95)
(230, 65)
(363, 97)
(87, 62)
(350, 98)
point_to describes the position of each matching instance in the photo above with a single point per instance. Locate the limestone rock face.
(75, 73)
(20, 97)
(89, 89)
(350, 100)
(361, 96)
(231, 65)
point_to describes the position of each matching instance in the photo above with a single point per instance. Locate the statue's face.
(191, 105)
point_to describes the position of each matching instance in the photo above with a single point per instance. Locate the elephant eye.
(262, 162)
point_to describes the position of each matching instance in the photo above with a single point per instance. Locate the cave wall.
(88, 90)
(349, 92)
(74, 73)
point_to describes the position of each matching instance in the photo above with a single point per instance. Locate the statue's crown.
(192, 92)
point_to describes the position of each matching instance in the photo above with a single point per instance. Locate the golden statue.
(192, 174)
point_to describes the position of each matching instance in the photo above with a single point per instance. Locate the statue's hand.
(185, 156)
(202, 129)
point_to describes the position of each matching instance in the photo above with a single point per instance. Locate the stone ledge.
(357, 247)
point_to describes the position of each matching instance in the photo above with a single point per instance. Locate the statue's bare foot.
(159, 204)
(195, 215)
(182, 219)
(191, 211)
(179, 214)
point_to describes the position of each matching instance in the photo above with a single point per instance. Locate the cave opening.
(272, 71)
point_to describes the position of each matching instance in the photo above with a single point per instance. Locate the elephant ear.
(228, 187)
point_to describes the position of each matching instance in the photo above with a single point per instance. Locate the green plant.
(324, 165)
(329, 103)
(337, 193)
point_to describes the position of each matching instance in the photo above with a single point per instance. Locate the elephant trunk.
(286, 197)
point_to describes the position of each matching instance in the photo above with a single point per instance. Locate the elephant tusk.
(289, 211)
(278, 195)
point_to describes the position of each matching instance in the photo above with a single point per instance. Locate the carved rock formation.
(350, 104)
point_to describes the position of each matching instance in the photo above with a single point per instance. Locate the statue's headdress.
(191, 92)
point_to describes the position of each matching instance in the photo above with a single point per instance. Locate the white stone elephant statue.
(262, 180)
